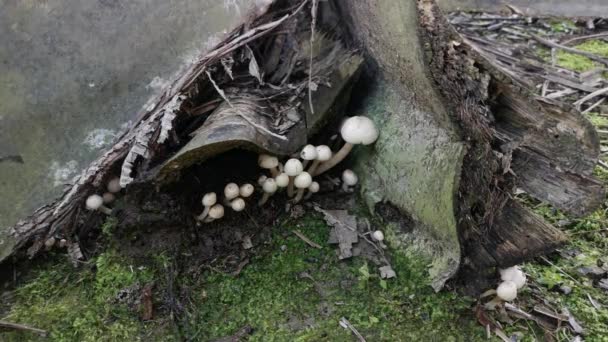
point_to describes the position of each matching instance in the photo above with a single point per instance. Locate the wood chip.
(305, 239)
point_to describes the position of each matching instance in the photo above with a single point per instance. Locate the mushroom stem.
(275, 172)
(335, 159)
(299, 195)
(305, 164)
(264, 199)
(290, 187)
(209, 219)
(105, 210)
(345, 187)
(203, 214)
(314, 166)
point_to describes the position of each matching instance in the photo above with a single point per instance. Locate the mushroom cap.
(349, 177)
(209, 199)
(262, 179)
(323, 153)
(216, 212)
(314, 187)
(266, 161)
(514, 274)
(270, 186)
(378, 235)
(303, 180)
(293, 167)
(282, 180)
(246, 190)
(507, 291)
(114, 185)
(231, 191)
(309, 152)
(94, 202)
(238, 204)
(108, 197)
(359, 130)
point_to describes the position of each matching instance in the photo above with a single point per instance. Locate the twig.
(603, 164)
(313, 24)
(569, 49)
(347, 325)
(559, 269)
(596, 93)
(305, 239)
(518, 311)
(15, 326)
(591, 36)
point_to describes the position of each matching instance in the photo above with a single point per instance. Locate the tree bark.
(458, 132)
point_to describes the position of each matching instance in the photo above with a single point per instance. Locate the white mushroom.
(282, 180)
(355, 130)
(349, 178)
(216, 212)
(293, 167)
(63, 243)
(262, 179)
(208, 200)
(507, 291)
(302, 182)
(269, 162)
(309, 152)
(246, 190)
(312, 189)
(108, 198)
(114, 185)
(378, 235)
(237, 204)
(95, 202)
(269, 187)
(514, 274)
(49, 243)
(323, 154)
(231, 191)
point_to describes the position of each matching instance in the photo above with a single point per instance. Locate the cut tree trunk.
(459, 134)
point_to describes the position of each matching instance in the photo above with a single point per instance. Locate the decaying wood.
(21, 327)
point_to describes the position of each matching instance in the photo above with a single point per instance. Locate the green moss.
(580, 63)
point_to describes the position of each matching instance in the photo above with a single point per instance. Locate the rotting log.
(459, 133)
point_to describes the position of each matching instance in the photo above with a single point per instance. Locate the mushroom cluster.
(97, 203)
(318, 159)
(234, 197)
(513, 279)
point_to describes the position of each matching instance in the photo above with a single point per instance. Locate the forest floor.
(287, 290)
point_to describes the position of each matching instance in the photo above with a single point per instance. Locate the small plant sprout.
(208, 200)
(261, 180)
(246, 190)
(302, 182)
(231, 191)
(349, 178)
(269, 187)
(514, 274)
(108, 198)
(269, 162)
(355, 130)
(312, 189)
(95, 202)
(378, 235)
(282, 180)
(309, 152)
(216, 212)
(293, 167)
(323, 154)
(114, 185)
(237, 204)
(507, 291)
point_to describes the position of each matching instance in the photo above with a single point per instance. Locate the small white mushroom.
(63, 243)
(378, 235)
(309, 152)
(208, 200)
(507, 291)
(302, 182)
(216, 212)
(323, 154)
(246, 190)
(355, 130)
(349, 178)
(269, 162)
(282, 180)
(231, 191)
(269, 187)
(312, 189)
(262, 179)
(108, 198)
(114, 185)
(514, 274)
(49, 243)
(293, 167)
(95, 202)
(237, 204)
